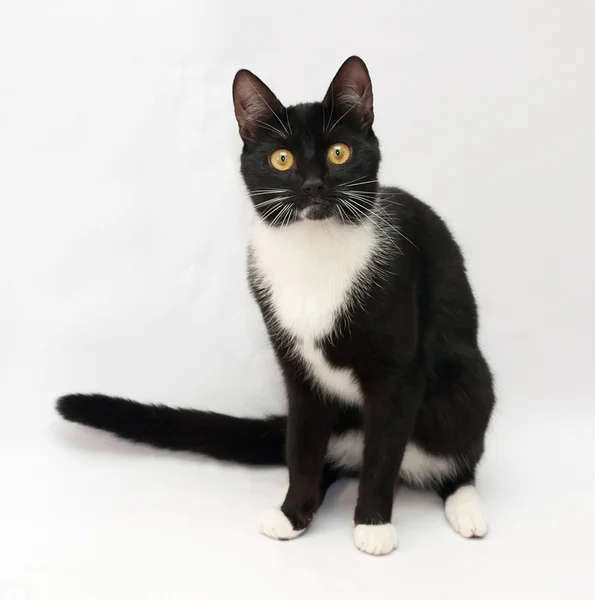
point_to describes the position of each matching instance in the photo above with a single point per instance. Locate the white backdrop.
(122, 231)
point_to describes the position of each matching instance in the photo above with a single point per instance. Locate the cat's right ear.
(254, 104)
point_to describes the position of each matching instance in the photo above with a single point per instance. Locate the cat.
(374, 325)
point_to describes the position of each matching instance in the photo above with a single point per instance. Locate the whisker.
(278, 199)
(276, 205)
(368, 200)
(341, 214)
(270, 211)
(263, 192)
(286, 208)
(385, 234)
(281, 210)
(378, 193)
(353, 208)
(360, 183)
(397, 229)
(383, 196)
(353, 180)
(286, 220)
(385, 221)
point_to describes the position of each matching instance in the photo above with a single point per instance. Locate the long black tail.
(246, 441)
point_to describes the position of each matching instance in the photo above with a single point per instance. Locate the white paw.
(464, 511)
(276, 525)
(375, 539)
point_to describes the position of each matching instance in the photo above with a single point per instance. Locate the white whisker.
(383, 196)
(287, 219)
(270, 211)
(354, 198)
(352, 181)
(278, 199)
(357, 211)
(360, 183)
(263, 191)
(285, 209)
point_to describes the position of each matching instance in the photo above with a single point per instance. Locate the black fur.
(223, 437)
(248, 441)
(412, 342)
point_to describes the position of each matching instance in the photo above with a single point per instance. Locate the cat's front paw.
(276, 525)
(375, 539)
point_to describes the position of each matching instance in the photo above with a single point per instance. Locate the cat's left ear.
(350, 94)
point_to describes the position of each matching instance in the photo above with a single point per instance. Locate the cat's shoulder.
(409, 209)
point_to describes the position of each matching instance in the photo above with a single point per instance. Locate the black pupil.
(283, 158)
(337, 151)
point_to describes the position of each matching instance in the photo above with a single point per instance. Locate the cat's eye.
(281, 159)
(339, 153)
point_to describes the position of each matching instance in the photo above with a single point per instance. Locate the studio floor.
(88, 516)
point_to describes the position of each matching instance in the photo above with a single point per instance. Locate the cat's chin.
(317, 219)
(315, 212)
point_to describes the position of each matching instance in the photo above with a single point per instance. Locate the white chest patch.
(311, 269)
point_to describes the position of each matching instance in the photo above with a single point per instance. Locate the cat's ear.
(350, 94)
(254, 104)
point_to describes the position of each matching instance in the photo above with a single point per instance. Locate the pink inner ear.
(351, 91)
(350, 94)
(253, 100)
(254, 106)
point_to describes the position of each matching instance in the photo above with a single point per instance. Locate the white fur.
(375, 539)
(346, 450)
(465, 512)
(342, 383)
(418, 467)
(276, 525)
(314, 270)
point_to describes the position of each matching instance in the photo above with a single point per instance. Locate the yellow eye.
(339, 153)
(281, 160)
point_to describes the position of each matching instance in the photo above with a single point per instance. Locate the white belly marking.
(341, 383)
(417, 468)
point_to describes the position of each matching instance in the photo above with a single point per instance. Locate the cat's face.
(310, 161)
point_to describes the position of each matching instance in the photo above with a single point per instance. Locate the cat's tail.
(235, 439)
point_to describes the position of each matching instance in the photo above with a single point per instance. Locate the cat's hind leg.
(453, 423)
(463, 507)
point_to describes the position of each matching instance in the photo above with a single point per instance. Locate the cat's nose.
(313, 186)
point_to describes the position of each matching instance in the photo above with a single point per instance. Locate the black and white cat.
(369, 310)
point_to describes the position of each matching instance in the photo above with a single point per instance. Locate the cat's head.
(310, 161)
